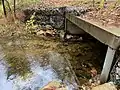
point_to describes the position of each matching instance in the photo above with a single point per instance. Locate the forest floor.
(108, 16)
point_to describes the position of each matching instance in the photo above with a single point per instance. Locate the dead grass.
(108, 16)
(58, 3)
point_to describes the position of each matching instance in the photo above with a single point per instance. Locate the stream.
(21, 69)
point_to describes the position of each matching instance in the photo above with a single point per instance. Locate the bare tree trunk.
(93, 3)
(15, 8)
(3, 3)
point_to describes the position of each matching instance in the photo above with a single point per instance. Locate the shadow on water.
(23, 71)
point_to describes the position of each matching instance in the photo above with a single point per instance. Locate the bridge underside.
(108, 36)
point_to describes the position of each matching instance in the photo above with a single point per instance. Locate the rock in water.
(54, 85)
(63, 68)
(106, 86)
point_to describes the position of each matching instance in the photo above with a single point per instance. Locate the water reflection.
(33, 81)
(18, 64)
(24, 70)
(36, 77)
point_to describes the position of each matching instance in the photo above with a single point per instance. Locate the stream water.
(20, 70)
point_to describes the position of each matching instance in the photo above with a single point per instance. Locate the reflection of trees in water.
(18, 64)
(17, 61)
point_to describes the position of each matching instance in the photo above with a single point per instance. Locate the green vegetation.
(102, 4)
(30, 26)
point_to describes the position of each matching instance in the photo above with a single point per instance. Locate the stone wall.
(53, 16)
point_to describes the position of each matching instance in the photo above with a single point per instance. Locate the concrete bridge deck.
(108, 35)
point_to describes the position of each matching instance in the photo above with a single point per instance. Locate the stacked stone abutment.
(53, 16)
